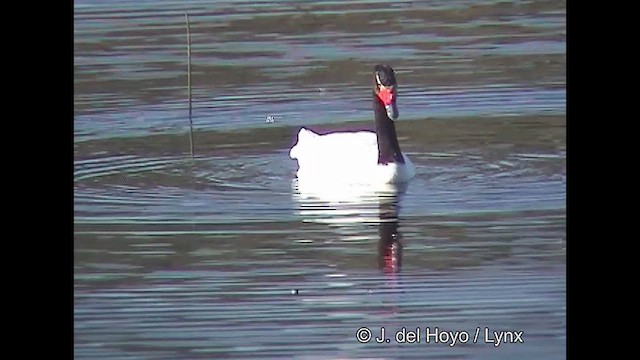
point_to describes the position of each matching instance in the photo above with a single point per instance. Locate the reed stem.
(186, 16)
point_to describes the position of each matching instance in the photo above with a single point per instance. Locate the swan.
(359, 157)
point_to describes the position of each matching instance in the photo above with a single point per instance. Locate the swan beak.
(392, 111)
(388, 97)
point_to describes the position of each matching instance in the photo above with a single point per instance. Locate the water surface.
(225, 256)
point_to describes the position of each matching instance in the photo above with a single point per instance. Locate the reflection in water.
(353, 205)
(390, 245)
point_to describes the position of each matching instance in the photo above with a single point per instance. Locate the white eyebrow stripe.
(378, 79)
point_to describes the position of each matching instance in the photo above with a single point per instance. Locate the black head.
(386, 89)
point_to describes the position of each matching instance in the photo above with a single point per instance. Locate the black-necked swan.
(358, 157)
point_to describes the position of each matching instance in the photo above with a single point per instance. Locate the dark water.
(180, 258)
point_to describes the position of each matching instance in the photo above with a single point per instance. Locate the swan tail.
(305, 136)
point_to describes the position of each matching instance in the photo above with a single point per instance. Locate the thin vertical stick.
(186, 16)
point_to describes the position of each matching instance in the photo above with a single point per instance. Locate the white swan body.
(345, 157)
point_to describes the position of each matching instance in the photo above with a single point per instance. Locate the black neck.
(388, 147)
